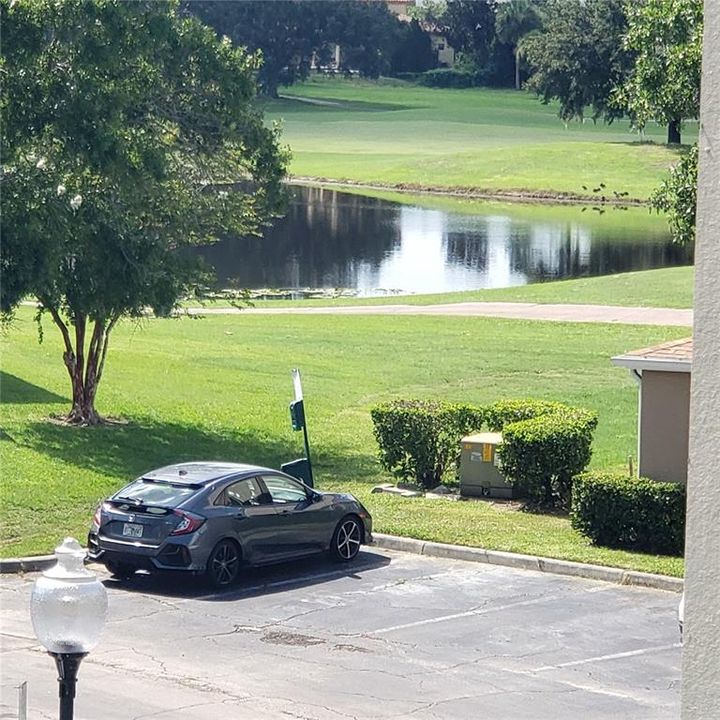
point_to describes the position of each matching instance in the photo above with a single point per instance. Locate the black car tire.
(223, 565)
(120, 570)
(346, 540)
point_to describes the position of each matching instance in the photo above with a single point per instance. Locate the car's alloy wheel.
(223, 564)
(347, 539)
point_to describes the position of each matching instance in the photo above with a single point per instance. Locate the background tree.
(116, 120)
(579, 58)
(413, 52)
(677, 196)
(468, 25)
(665, 82)
(367, 32)
(513, 21)
(286, 32)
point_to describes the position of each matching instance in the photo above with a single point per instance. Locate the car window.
(284, 490)
(152, 492)
(244, 493)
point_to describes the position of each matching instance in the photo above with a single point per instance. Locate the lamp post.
(68, 608)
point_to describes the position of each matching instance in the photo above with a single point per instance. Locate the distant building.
(401, 8)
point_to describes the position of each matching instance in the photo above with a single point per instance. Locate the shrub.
(447, 78)
(634, 513)
(501, 413)
(543, 450)
(419, 440)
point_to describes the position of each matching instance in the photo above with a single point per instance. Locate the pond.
(387, 244)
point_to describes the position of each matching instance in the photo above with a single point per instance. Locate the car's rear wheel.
(120, 570)
(346, 540)
(223, 565)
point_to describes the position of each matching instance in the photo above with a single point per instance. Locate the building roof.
(673, 356)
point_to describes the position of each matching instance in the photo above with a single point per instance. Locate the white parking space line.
(602, 658)
(467, 613)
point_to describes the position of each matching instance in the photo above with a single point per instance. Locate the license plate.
(132, 530)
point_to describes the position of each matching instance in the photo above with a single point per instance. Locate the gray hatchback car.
(214, 517)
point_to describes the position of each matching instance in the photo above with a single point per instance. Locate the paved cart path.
(511, 310)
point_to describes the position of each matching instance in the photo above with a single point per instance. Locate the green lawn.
(219, 388)
(667, 287)
(391, 133)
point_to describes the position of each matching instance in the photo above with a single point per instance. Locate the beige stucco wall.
(664, 424)
(701, 653)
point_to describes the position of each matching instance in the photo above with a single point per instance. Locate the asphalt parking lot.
(392, 636)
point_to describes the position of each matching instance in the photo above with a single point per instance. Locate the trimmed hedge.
(545, 444)
(419, 440)
(447, 78)
(543, 454)
(504, 412)
(634, 513)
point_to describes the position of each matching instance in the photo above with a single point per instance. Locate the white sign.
(297, 384)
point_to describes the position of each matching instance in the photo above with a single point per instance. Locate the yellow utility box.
(480, 467)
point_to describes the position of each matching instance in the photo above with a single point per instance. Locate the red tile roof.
(673, 356)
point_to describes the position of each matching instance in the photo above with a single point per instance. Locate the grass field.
(219, 388)
(666, 287)
(397, 134)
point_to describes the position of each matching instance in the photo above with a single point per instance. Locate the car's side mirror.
(315, 497)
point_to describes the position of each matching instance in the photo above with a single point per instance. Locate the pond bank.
(474, 193)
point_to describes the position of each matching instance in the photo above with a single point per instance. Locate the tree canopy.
(118, 119)
(677, 196)
(664, 85)
(579, 58)
(289, 33)
(515, 20)
(468, 25)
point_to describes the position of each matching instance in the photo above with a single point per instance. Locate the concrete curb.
(27, 564)
(529, 562)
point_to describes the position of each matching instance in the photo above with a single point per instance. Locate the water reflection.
(332, 239)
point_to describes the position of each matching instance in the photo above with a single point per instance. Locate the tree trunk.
(517, 69)
(673, 136)
(84, 365)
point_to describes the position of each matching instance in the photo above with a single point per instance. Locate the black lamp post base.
(67, 666)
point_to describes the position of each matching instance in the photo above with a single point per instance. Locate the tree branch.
(101, 364)
(69, 355)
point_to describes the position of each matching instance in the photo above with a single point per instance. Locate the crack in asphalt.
(181, 708)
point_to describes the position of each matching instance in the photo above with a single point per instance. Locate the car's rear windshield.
(153, 492)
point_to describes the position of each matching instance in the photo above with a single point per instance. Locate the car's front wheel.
(346, 539)
(223, 565)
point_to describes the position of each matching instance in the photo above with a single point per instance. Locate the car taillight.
(188, 522)
(97, 518)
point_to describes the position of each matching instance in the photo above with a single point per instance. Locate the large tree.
(367, 32)
(286, 32)
(579, 57)
(515, 20)
(665, 83)
(118, 119)
(468, 25)
(290, 33)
